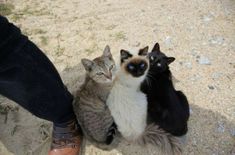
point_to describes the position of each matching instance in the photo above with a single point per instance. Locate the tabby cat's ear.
(170, 60)
(87, 64)
(144, 51)
(107, 52)
(156, 48)
(125, 55)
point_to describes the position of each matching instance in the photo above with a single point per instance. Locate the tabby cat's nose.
(109, 76)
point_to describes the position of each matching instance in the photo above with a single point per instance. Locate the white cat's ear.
(156, 48)
(143, 51)
(125, 55)
(87, 64)
(107, 52)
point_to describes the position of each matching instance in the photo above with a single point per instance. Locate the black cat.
(167, 107)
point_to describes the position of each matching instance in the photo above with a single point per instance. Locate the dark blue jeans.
(29, 78)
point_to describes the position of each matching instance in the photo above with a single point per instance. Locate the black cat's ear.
(125, 55)
(156, 48)
(143, 51)
(107, 52)
(87, 64)
(170, 60)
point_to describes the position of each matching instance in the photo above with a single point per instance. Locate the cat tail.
(168, 143)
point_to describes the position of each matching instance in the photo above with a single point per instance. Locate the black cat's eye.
(159, 64)
(100, 73)
(152, 58)
(130, 66)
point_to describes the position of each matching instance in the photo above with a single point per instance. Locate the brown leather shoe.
(66, 140)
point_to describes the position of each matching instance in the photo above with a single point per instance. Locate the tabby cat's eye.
(100, 73)
(111, 67)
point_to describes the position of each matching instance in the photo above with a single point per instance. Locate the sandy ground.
(200, 34)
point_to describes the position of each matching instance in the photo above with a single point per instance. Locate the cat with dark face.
(167, 107)
(128, 105)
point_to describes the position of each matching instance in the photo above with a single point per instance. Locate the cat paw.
(111, 133)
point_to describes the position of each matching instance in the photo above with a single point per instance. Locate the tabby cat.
(89, 104)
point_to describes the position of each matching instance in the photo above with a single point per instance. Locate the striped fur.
(169, 144)
(89, 102)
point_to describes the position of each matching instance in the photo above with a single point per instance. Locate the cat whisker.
(150, 73)
(148, 82)
(151, 76)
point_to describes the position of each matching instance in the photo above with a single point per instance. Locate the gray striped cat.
(89, 104)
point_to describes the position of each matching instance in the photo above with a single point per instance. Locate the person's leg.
(30, 79)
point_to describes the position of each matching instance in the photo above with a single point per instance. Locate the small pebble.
(188, 65)
(168, 41)
(136, 44)
(216, 75)
(221, 127)
(204, 61)
(190, 111)
(207, 18)
(194, 142)
(217, 40)
(195, 77)
(193, 52)
(211, 87)
(232, 131)
(190, 28)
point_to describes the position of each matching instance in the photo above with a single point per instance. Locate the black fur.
(125, 55)
(143, 51)
(111, 133)
(137, 68)
(167, 107)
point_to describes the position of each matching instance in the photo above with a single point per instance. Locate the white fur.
(128, 105)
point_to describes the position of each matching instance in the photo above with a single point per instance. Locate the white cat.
(128, 105)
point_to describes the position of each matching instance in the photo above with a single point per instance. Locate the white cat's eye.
(142, 65)
(100, 73)
(131, 67)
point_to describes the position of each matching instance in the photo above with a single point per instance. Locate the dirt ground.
(199, 33)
